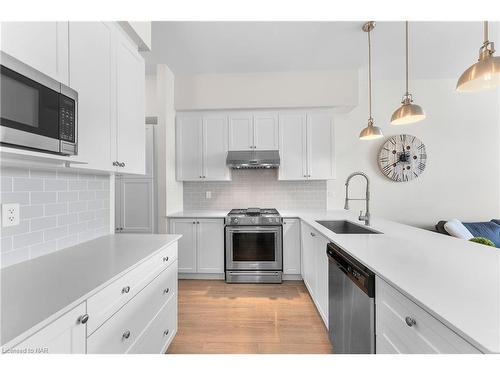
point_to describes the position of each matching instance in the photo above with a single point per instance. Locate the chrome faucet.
(366, 216)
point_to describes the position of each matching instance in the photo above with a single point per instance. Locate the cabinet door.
(42, 45)
(292, 133)
(136, 205)
(66, 335)
(308, 259)
(130, 110)
(240, 132)
(266, 131)
(215, 146)
(210, 246)
(187, 243)
(90, 57)
(189, 135)
(291, 246)
(320, 146)
(321, 277)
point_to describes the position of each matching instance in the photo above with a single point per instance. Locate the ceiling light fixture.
(408, 112)
(371, 131)
(485, 74)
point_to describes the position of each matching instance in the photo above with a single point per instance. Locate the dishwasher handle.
(359, 274)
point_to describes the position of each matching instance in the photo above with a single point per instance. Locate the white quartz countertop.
(36, 290)
(456, 280)
(209, 214)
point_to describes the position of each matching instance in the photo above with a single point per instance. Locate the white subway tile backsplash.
(43, 223)
(56, 209)
(59, 208)
(43, 197)
(255, 188)
(27, 239)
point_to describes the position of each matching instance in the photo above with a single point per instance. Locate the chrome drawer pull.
(126, 289)
(83, 319)
(126, 334)
(410, 322)
(165, 259)
(313, 235)
(165, 291)
(166, 332)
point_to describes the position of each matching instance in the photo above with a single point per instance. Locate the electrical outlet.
(208, 195)
(10, 214)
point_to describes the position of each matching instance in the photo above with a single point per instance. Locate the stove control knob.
(235, 220)
(253, 220)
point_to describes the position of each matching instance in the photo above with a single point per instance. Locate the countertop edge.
(56, 315)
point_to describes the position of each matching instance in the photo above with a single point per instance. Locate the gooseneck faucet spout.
(366, 216)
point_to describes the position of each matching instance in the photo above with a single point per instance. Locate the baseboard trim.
(201, 276)
(292, 277)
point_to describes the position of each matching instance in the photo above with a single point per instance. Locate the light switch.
(208, 195)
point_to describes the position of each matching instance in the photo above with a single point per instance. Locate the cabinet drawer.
(119, 333)
(106, 302)
(160, 331)
(426, 335)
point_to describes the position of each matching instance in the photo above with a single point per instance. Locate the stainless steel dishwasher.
(351, 299)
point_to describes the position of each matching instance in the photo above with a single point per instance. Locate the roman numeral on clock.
(421, 166)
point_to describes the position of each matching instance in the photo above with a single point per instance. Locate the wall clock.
(402, 158)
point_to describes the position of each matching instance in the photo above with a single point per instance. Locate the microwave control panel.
(67, 119)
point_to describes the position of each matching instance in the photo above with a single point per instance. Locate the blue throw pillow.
(496, 221)
(489, 230)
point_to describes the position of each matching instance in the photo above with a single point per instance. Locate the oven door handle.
(253, 229)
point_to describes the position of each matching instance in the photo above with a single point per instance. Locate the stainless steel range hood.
(253, 159)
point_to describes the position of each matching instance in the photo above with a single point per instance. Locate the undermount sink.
(346, 227)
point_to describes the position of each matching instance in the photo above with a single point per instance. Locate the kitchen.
(250, 200)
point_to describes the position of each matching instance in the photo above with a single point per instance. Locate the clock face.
(402, 158)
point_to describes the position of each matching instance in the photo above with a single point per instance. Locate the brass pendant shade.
(485, 74)
(371, 131)
(408, 112)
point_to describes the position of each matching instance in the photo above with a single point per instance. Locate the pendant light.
(485, 74)
(408, 112)
(371, 131)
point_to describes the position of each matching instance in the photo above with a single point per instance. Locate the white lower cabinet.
(201, 248)
(404, 327)
(315, 268)
(291, 246)
(122, 330)
(66, 335)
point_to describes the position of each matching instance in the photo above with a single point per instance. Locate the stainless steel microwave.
(36, 111)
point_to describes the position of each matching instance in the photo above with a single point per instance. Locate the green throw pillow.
(483, 241)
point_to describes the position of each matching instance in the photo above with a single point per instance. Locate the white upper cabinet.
(292, 147)
(320, 146)
(90, 58)
(189, 139)
(202, 144)
(253, 131)
(42, 45)
(241, 132)
(265, 131)
(306, 146)
(215, 147)
(130, 108)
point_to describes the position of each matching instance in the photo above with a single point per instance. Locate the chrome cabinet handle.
(410, 322)
(166, 332)
(126, 289)
(83, 319)
(126, 334)
(165, 259)
(122, 164)
(165, 291)
(194, 222)
(313, 235)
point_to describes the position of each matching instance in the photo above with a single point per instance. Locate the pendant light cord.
(485, 32)
(407, 59)
(370, 73)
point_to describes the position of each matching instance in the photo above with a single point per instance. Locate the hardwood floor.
(215, 317)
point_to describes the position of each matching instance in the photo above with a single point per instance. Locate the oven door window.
(28, 106)
(254, 247)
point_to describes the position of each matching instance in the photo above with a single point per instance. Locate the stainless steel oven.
(36, 112)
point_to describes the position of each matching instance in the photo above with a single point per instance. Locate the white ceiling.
(437, 49)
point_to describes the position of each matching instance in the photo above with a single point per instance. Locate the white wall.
(327, 88)
(462, 137)
(170, 194)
